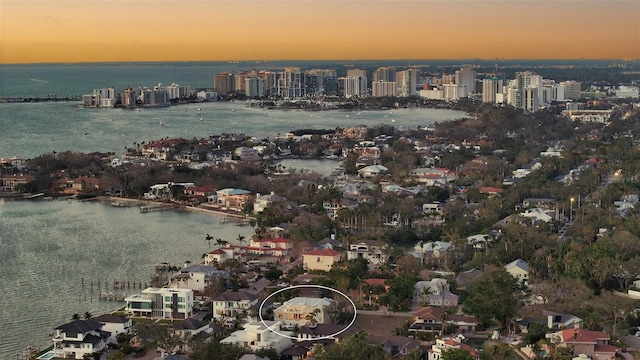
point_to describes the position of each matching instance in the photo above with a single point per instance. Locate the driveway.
(632, 341)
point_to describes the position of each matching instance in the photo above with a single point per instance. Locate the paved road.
(632, 341)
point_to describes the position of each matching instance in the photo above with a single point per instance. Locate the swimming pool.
(47, 355)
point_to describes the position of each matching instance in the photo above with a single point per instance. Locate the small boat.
(201, 119)
(198, 109)
(393, 120)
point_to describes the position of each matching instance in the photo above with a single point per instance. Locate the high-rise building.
(467, 78)
(239, 79)
(571, 89)
(528, 80)
(361, 76)
(407, 82)
(453, 92)
(491, 86)
(352, 86)
(223, 83)
(289, 83)
(255, 86)
(530, 99)
(385, 74)
(383, 88)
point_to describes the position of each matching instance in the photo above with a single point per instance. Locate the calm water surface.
(48, 249)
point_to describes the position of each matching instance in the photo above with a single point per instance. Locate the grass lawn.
(380, 325)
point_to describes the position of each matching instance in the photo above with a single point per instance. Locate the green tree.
(493, 295)
(351, 348)
(456, 354)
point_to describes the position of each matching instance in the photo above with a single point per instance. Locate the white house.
(537, 214)
(263, 201)
(79, 338)
(229, 303)
(257, 336)
(300, 310)
(114, 324)
(371, 250)
(372, 170)
(195, 277)
(434, 293)
(161, 303)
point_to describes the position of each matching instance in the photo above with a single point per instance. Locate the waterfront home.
(259, 335)
(220, 255)
(161, 303)
(79, 338)
(231, 303)
(230, 199)
(115, 324)
(8, 182)
(320, 259)
(462, 323)
(77, 186)
(302, 311)
(270, 247)
(196, 277)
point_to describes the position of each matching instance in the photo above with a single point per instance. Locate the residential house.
(538, 215)
(396, 346)
(115, 324)
(8, 182)
(220, 255)
(433, 176)
(463, 323)
(230, 303)
(479, 241)
(320, 259)
(371, 250)
(442, 345)
(13, 162)
(77, 186)
(541, 203)
(187, 156)
(246, 154)
(519, 269)
(332, 208)
(435, 292)
(428, 319)
(583, 341)
(196, 277)
(271, 247)
(325, 331)
(200, 191)
(231, 199)
(328, 243)
(263, 201)
(562, 321)
(79, 338)
(161, 303)
(260, 335)
(188, 329)
(434, 249)
(302, 311)
(372, 170)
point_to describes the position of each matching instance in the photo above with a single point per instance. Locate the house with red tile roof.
(442, 345)
(270, 247)
(584, 341)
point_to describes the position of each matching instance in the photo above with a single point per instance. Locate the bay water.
(54, 253)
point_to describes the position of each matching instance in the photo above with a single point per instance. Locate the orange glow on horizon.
(48, 31)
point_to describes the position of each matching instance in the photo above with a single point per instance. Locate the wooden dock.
(159, 207)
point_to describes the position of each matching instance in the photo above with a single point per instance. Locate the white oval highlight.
(308, 286)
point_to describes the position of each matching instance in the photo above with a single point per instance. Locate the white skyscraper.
(383, 88)
(491, 86)
(361, 76)
(407, 82)
(467, 78)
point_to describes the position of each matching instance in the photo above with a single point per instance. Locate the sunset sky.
(175, 30)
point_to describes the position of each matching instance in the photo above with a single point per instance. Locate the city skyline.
(55, 31)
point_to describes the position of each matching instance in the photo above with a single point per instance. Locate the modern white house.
(230, 303)
(114, 324)
(79, 338)
(300, 311)
(161, 303)
(257, 336)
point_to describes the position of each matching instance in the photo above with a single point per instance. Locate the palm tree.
(208, 238)
(241, 239)
(75, 316)
(221, 242)
(87, 315)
